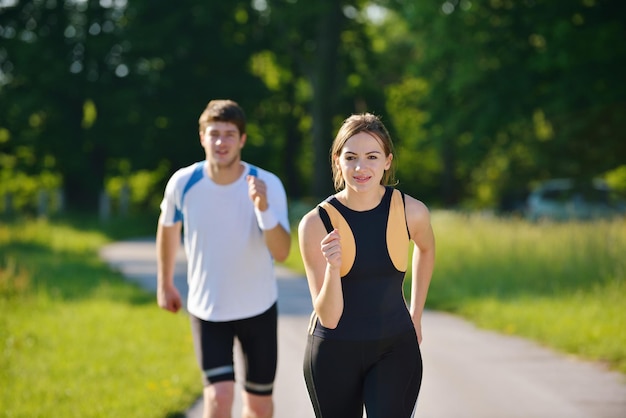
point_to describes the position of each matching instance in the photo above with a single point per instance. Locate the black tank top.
(375, 246)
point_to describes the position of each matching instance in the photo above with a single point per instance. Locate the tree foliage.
(482, 98)
(515, 91)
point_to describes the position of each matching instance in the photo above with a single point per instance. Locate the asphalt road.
(468, 372)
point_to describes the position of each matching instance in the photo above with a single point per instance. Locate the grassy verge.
(76, 340)
(560, 284)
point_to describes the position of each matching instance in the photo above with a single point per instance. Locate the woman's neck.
(361, 201)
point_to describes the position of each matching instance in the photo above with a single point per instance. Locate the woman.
(363, 343)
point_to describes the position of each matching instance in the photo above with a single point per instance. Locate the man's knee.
(218, 398)
(258, 406)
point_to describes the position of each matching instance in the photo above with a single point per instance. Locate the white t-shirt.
(230, 270)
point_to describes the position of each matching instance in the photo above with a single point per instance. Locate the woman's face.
(362, 162)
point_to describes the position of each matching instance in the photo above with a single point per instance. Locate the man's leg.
(257, 406)
(213, 344)
(259, 345)
(218, 400)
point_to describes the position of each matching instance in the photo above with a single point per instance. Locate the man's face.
(222, 143)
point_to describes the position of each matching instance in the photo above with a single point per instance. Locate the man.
(235, 220)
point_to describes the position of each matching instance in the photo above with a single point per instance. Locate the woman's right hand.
(331, 248)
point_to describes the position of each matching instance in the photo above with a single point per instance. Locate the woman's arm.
(423, 263)
(321, 254)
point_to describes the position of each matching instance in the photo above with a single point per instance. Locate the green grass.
(560, 284)
(76, 339)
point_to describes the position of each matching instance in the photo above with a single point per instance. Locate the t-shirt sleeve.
(170, 205)
(277, 198)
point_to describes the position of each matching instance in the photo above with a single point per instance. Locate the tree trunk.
(324, 88)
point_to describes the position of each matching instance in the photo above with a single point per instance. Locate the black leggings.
(384, 375)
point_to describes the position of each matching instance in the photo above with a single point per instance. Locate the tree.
(515, 91)
(319, 64)
(58, 59)
(90, 85)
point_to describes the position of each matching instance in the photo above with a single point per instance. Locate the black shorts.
(214, 342)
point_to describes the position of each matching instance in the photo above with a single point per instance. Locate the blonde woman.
(363, 344)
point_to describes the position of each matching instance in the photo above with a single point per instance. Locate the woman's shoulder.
(311, 228)
(415, 209)
(312, 218)
(411, 202)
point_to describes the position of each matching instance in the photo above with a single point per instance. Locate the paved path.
(468, 372)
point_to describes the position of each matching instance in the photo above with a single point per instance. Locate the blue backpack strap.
(253, 171)
(196, 176)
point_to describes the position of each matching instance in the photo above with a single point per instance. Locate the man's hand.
(257, 190)
(169, 299)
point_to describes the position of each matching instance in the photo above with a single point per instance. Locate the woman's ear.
(388, 162)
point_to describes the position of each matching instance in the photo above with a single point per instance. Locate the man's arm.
(278, 241)
(167, 243)
(276, 237)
